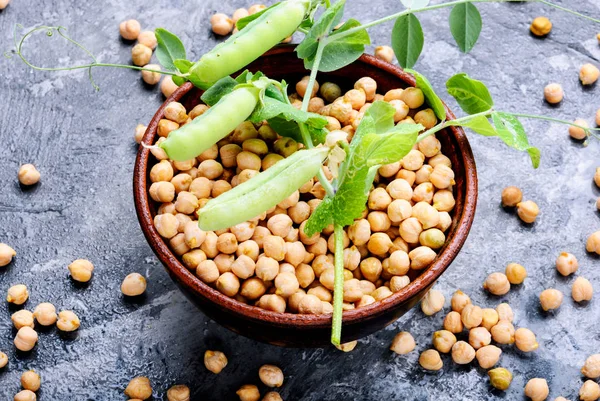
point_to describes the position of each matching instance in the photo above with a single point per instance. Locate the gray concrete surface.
(82, 143)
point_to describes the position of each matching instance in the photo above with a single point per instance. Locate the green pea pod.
(193, 138)
(251, 42)
(261, 192)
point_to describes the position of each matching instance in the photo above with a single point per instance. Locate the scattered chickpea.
(67, 321)
(515, 273)
(133, 285)
(462, 353)
(566, 263)
(528, 211)
(471, 316)
(551, 299)
(432, 302)
(589, 391)
(588, 74)
(479, 337)
(221, 24)
(511, 196)
(489, 318)
(130, 29)
(553, 93)
(6, 254)
(577, 132)
(591, 367)
(525, 340)
(45, 314)
(30, 380)
(148, 38)
(271, 375)
(17, 294)
(215, 361)
(141, 55)
(500, 378)
(3, 360)
(541, 26)
(488, 356)
(384, 53)
(497, 284)
(28, 174)
(25, 395)
(459, 301)
(26, 339)
(81, 270)
(248, 392)
(505, 312)
(139, 387)
(430, 360)
(537, 389)
(179, 392)
(239, 14)
(452, 322)
(403, 343)
(22, 318)
(345, 347)
(443, 340)
(4, 4)
(228, 283)
(582, 290)
(167, 86)
(503, 332)
(593, 243)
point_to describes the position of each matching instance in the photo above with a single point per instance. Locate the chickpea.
(133, 285)
(274, 396)
(443, 340)
(551, 299)
(274, 246)
(179, 392)
(403, 343)
(379, 244)
(139, 388)
(479, 337)
(369, 87)
(198, 110)
(26, 339)
(593, 243)
(399, 210)
(342, 111)
(130, 29)
(22, 318)
(413, 97)
(267, 268)
(431, 360)
(379, 199)
(505, 312)
(459, 301)
(589, 391)
(515, 273)
(167, 208)
(497, 284)
(427, 215)
(389, 170)
(432, 238)
(310, 304)
(167, 86)
(356, 97)
(221, 24)
(141, 54)
(591, 367)
(286, 284)
(215, 361)
(577, 132)
(489, 318)
(553, 93)
(6, 254)
(440, 159)
(302, 85)
(30, 380)
(588, 74)
(243, 267)
(228, 283)
(503, 332)
(25, 395)
(210, 169)
(162, 171)
(248, 392)
(488, 356)
(541, 26)
(384, 53)
(402, 109)
(410, 229)
(432, 302)
(371, 268)
(500, 378)
(397, 283)
(423, 193)
(28, 174)
(67, 321)
(528, 211)
(537, 389)
(393, 94)
(413, 160)
(525, 340)
(271, 375)
(426, 118)
(582, 290)
(471, 316)
(445, 220)
(442, 176)
(462, 353)
(365, 300)
(452, 323)
(360, 232)
(381, 293)
(421, 257)
(167, 225)
(162, 191)
(272, 302)
(379, 221)
(207, 271)
(17, 294)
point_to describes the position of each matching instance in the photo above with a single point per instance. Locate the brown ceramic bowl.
(295, 330)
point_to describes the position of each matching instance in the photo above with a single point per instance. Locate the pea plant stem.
(338, 286)
(448, 123)
(321, 174)
(392, 17)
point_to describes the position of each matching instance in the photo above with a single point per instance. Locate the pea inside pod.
(193, 138)
(263, 191)
(251, 42)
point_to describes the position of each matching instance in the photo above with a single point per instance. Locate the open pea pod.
(263, 191)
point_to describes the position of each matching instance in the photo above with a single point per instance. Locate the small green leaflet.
(243, 22)
(407, 40)
(472, 95)
(332, 16)
(479, 124)
(465, 25)
(512, 132)
(320, 218)
(414, 4)
(432, 98)
(183, 66)
(220, 88)
(169, 48)
(340, 53)
(273, 108)
(392, 146)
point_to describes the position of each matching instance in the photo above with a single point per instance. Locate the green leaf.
(479, 125)
(407, 40)
(243, 22)
(512, 132)
(320, 218)
(273, 108)
(383, 116)
(432, 98)
(465, 25)
(169, 49)
(414, 4)
(183, 65)
(472, 95)
(332, 16)
(221, 88)
(392, 146)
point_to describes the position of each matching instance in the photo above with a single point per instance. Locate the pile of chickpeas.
(269, 261)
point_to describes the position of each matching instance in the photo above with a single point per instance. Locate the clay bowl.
(294, 330)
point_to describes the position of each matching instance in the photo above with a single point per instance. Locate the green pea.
(250, 43)
(262, 192)
(193, 138)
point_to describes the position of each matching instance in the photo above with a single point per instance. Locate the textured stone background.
(81, 141)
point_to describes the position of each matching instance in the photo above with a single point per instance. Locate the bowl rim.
(251, 313)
